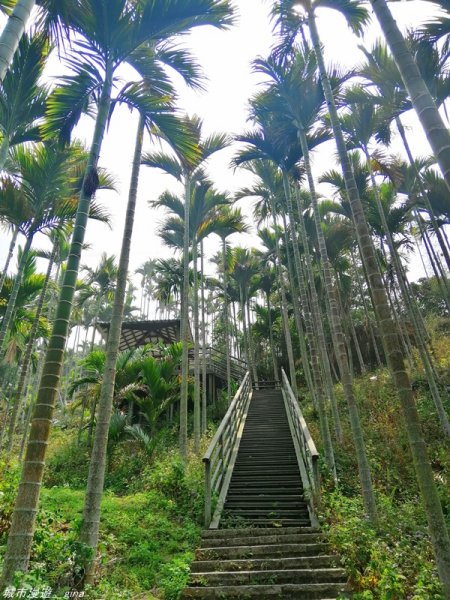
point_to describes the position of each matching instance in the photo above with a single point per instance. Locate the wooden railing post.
(221, 453)
(207, 491)
(307, 456)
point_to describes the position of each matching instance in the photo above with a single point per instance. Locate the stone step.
(266, 496)
(221, 578)
(258, 454)
(267, 510)
(275, 522)
(259, 474)
(275, 469)
(289, 485)
(257, 463)
(271, 550)
(268, 564)
(313, 591)
(270, 531)
(275, 539)
(266, 507)
(292, 490)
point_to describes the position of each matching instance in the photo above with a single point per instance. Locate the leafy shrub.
(391, 562)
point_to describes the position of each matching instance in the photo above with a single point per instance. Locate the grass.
(150, 526)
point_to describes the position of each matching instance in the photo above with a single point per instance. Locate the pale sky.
(226, 60)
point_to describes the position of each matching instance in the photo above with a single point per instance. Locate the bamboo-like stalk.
(12, 33)
(29, 350)
(94, 490)
(185, 324)
(24, 515)
(12, 245)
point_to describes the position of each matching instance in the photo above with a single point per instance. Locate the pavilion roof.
(139, 333)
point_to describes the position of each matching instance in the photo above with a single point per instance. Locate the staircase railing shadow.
(305, 448)
(221, 455)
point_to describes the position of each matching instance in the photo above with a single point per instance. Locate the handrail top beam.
(225, 420)
(308, 438)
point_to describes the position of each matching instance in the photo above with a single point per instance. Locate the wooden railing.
(216, 363)
(221, 455)
(307, 455)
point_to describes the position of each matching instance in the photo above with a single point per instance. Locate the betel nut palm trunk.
(197, 400)
(183, 438)
(10, 308)
(12, 245)
(339, 342)
(12, 33)
(94, 490)
(314, 352)
(29, 350)
(24, 516)
(436, 522)
(422, 101)
(226, 318)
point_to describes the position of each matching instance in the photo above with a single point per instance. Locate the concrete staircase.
(266, 547)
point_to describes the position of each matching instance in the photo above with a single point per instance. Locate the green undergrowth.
(152, 513)
(393, 561)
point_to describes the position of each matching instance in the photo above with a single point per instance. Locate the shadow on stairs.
(265, 546)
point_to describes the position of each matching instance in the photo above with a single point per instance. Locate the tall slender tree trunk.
(226, 317)
(335, 319)
(411, 307)
(185, 325)
(424, 105)
(272, 343)
(424, 195)
(251, 345)
(436, 522)
(297, 316)
(24, 516)
(317, 321)
(315, 362)
(12, 33)
(29, 350)
(204, 395)
(12, 245)
(197, 407)
(284, 310)
(97, 466)
(366, 311)
(245, 335)
(7, 318)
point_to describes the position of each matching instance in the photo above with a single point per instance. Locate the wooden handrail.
(221, 454)
(309, 455)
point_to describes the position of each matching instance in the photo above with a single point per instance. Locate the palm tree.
(187, 170)
(157, 118)
(356, 16)
(227, 221)
(22, 97)
(108, 35)
(146, 270)
(267, 284)
(205, 201)
(245, 267)
(48, 195)
(269, 190)
(299, 88)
